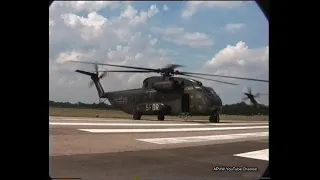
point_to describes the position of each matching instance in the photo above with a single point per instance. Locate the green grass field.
(70, 112)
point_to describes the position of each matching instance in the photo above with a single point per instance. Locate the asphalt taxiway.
(125, 149)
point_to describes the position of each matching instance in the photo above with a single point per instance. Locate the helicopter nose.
(215, 109)
(216, 101)
(214, 104)
(219, 101)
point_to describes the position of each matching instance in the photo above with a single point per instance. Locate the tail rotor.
(96, 72)
(251, 97)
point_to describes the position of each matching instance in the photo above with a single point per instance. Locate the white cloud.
(165, 7)
(73, 56)
(232, 28)
(94, 37)
(77, 31)
(87, 6)
(193, 7)
(181, 37)
(239, 60)
(131, 14)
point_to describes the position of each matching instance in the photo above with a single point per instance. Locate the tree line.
(228, 109)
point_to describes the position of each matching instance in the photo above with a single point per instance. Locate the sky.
(215, 37)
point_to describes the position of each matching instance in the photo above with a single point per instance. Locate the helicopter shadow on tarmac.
(200, 121)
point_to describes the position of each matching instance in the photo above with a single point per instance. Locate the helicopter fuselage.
(199, 103)
(163, 95)
(193, 98)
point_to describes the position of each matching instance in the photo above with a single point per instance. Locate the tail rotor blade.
(91, 84)
(249, 90)
(103, 75)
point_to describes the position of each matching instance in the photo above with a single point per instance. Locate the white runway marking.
(170, 129)
(88, 119)
(93, 119)
(191, 139)
(260, 155)
(148, 124)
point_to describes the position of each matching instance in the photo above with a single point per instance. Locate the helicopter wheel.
(136, 116)
(161, 117)
(215, 118)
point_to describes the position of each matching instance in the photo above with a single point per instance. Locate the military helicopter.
(251, 97)
(163, 95)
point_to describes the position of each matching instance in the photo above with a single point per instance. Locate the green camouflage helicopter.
(165, 94)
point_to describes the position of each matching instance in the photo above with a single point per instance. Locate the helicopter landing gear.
(136, 116)
(214, 118)
(161, 117)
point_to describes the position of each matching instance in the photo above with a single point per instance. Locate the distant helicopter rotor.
(251, 97)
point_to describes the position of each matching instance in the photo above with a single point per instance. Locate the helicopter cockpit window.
(198, 96)
(206, 91)
(211, 91)
(146, 84)
(201, 89)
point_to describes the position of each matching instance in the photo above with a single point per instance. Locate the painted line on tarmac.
(92, 120)
(88, 119)
(170, 129)
(260, 155)
(191, 139)
(148, 124)
(231, 122)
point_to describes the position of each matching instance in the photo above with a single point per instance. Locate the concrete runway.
(99, 149)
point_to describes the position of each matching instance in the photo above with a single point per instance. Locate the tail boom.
(96, 82)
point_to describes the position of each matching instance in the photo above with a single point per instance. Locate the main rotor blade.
(132, 67)
(127, 71)
(232, 77)
(209, 79)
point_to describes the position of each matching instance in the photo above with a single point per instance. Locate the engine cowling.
(167, 86)
(163, 86)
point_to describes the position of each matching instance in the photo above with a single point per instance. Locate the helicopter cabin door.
(185, 102)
